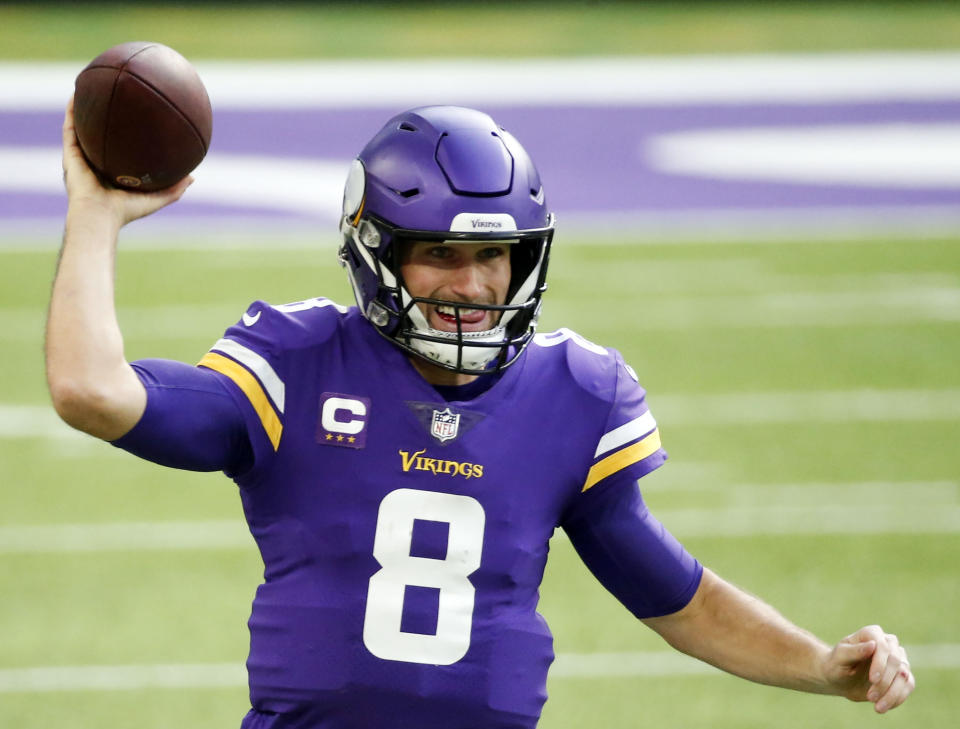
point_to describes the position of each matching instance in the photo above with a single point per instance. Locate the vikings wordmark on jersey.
(418, 461)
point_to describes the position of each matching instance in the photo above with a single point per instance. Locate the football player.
(402, 463)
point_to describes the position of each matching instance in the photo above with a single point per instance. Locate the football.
(142, 116)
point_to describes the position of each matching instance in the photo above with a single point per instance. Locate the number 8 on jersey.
(382, 632)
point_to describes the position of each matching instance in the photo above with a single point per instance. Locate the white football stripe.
(903, 155)
(309, 187)
(625, 433)
(312, 189)
(258, 366)
(306, 186)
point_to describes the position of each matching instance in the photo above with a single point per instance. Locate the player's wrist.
(827, 681)
(93, 215)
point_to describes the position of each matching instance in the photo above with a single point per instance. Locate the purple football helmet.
(450, 174)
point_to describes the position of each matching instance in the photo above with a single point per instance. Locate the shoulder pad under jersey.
(250, 353)
(629, 438)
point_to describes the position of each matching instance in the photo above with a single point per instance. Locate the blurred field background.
(807, 391)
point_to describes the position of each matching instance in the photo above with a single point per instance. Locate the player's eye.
(492, 252)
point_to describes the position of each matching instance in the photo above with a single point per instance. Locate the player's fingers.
(891, 671)
(74, 165)
(901, 688)
(174, 192)
(140, 204)
(182, 186)
(68, 133)
(68, 114)
(850, 654)
(869, 632)
(882, 676)
(69, 129)
(884, 644)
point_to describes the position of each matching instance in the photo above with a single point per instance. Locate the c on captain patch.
(343, 420)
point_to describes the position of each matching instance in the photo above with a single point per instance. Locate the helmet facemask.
(397, 315)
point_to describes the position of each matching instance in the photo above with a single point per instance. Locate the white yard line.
(747, 408)
(673, 664)
(675, 312)
(125, 536)
(36, 421)
(668, 80)
(668, 664)
(674, 309)
(747, 521)
(122, 678)
(933, 510)
(713, 483)
(930, 224)
(809, 407)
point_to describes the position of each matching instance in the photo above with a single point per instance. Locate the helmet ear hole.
(392, 257)
(524, 255)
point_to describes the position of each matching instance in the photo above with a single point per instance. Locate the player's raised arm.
(735, 631)
(92, 386)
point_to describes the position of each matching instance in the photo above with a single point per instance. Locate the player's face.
(470, 273)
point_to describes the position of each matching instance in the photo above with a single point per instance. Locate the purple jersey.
(404, 536)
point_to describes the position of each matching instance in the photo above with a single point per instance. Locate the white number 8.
(398, 568)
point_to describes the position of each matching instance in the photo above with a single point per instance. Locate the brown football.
(142, 116)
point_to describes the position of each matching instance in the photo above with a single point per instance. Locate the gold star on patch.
(329, 436)
(339, 439)
(351, 439)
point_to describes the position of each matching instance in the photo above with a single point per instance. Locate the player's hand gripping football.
(84, 188)
(871, 665)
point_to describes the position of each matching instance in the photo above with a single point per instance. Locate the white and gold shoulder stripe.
(256, 378)
(613, 442)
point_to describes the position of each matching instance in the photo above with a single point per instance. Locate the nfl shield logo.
(444, 425)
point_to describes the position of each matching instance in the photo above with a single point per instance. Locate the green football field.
(808, 393)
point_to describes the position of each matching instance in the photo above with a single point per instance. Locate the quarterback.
(402, 463)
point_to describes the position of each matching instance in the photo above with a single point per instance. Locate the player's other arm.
(732, 630)
(93, 387)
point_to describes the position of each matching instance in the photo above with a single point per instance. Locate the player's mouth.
(471, 320)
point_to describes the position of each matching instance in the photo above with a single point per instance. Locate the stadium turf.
(730, 452)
